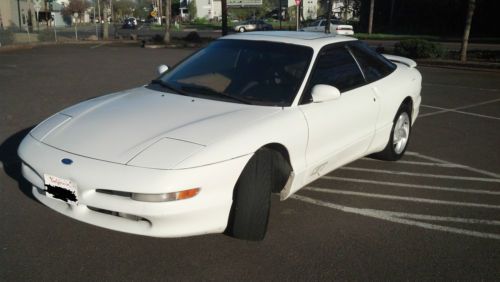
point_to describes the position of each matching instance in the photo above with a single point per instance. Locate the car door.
(340, 130)
(321, 26)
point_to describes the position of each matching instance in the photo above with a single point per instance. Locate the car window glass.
(335, 66)
(259, 72)
(323, 23)
(374, 65)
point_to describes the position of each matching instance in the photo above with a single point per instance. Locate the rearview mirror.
(162, 68)
(323, 92)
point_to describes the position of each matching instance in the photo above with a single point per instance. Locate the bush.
(6, 36)
(200, 21)
(46, 35)
(418, 48)
(193, 37)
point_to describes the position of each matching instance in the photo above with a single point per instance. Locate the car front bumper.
(207, 212)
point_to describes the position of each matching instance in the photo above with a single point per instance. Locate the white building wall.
(208, 9)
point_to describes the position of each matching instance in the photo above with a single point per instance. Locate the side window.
(323, 23)
(374, 65)
(335, 66)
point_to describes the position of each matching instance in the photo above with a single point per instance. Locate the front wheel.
(400, 135)
(242, 29)
(252, 198)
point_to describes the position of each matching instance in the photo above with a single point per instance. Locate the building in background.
(14, 13)
(205, 9)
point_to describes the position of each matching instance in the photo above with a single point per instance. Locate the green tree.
(124, 8)
(192, 9)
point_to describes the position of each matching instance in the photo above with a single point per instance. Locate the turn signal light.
(166, 197)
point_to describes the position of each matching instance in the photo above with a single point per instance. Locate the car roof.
(312, 39)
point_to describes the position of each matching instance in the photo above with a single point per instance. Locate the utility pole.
(329, 4)
(224, 17)
(468, 24)
(19, 15)
(168, 13)
(370, 19)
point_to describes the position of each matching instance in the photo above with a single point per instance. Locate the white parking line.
(416, 186)
(97, 46)
(400, 198)
(480, 171)
(457, 109)
(441, 218)
(482, 179)
(420, 163)
(459, 86)
(386, 216)
(444, 110)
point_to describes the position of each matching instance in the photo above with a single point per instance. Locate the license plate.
(60, 189)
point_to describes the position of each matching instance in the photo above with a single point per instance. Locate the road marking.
(97, 46)
(417, 186)
(442, 218)
(421, 174)
(400, 198)
(460, 86)
(386, 216)
(444, 110)
(480, 171)
(457, 109)
(421, 163)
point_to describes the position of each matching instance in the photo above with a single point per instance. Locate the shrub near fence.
(6, 36)
(418, 49)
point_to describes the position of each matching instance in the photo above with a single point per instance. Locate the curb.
(471, 65)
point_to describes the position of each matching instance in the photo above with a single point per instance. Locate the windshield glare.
(257, 72)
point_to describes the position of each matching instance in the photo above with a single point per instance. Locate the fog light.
(166, 197)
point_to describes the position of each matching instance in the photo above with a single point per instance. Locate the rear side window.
(374, 65)
(335, 66)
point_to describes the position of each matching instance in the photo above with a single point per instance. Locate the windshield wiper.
(203, 90)
(169, 86)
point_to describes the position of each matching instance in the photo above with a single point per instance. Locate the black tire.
(252, 198)
(390, 153)
(241, 29)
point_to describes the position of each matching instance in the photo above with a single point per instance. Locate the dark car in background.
(129, 23)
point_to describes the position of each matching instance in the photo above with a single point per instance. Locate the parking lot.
(435, 214)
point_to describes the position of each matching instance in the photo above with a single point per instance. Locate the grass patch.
(383, 36)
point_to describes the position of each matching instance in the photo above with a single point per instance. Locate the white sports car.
(200, 149)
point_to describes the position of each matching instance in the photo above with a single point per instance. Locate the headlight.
(166, 197)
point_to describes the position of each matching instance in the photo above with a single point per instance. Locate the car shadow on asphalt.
(12, 163)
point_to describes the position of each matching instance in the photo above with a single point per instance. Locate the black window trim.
(333, 45)
(383, 58)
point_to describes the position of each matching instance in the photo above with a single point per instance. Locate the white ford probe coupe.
(200, 149)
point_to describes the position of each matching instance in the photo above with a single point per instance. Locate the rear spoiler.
(397, 59)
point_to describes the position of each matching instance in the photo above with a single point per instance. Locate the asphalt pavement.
(433, 215)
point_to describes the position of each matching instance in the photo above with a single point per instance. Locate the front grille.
(119, 214)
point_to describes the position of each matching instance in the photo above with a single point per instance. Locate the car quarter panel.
(391, 91)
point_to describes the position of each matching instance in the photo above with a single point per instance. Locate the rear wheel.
(252, 198)
(242, 29)
(400, 136)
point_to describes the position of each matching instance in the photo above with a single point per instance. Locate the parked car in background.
(252, 25)
(335, 27)
(129, 23)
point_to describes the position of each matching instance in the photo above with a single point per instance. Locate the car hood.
(119, 127)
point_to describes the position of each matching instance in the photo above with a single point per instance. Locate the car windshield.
(242, 71)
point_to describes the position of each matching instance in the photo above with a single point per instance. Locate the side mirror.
(323, 92)
(162, 68)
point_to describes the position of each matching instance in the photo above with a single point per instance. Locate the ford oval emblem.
(67, 161)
